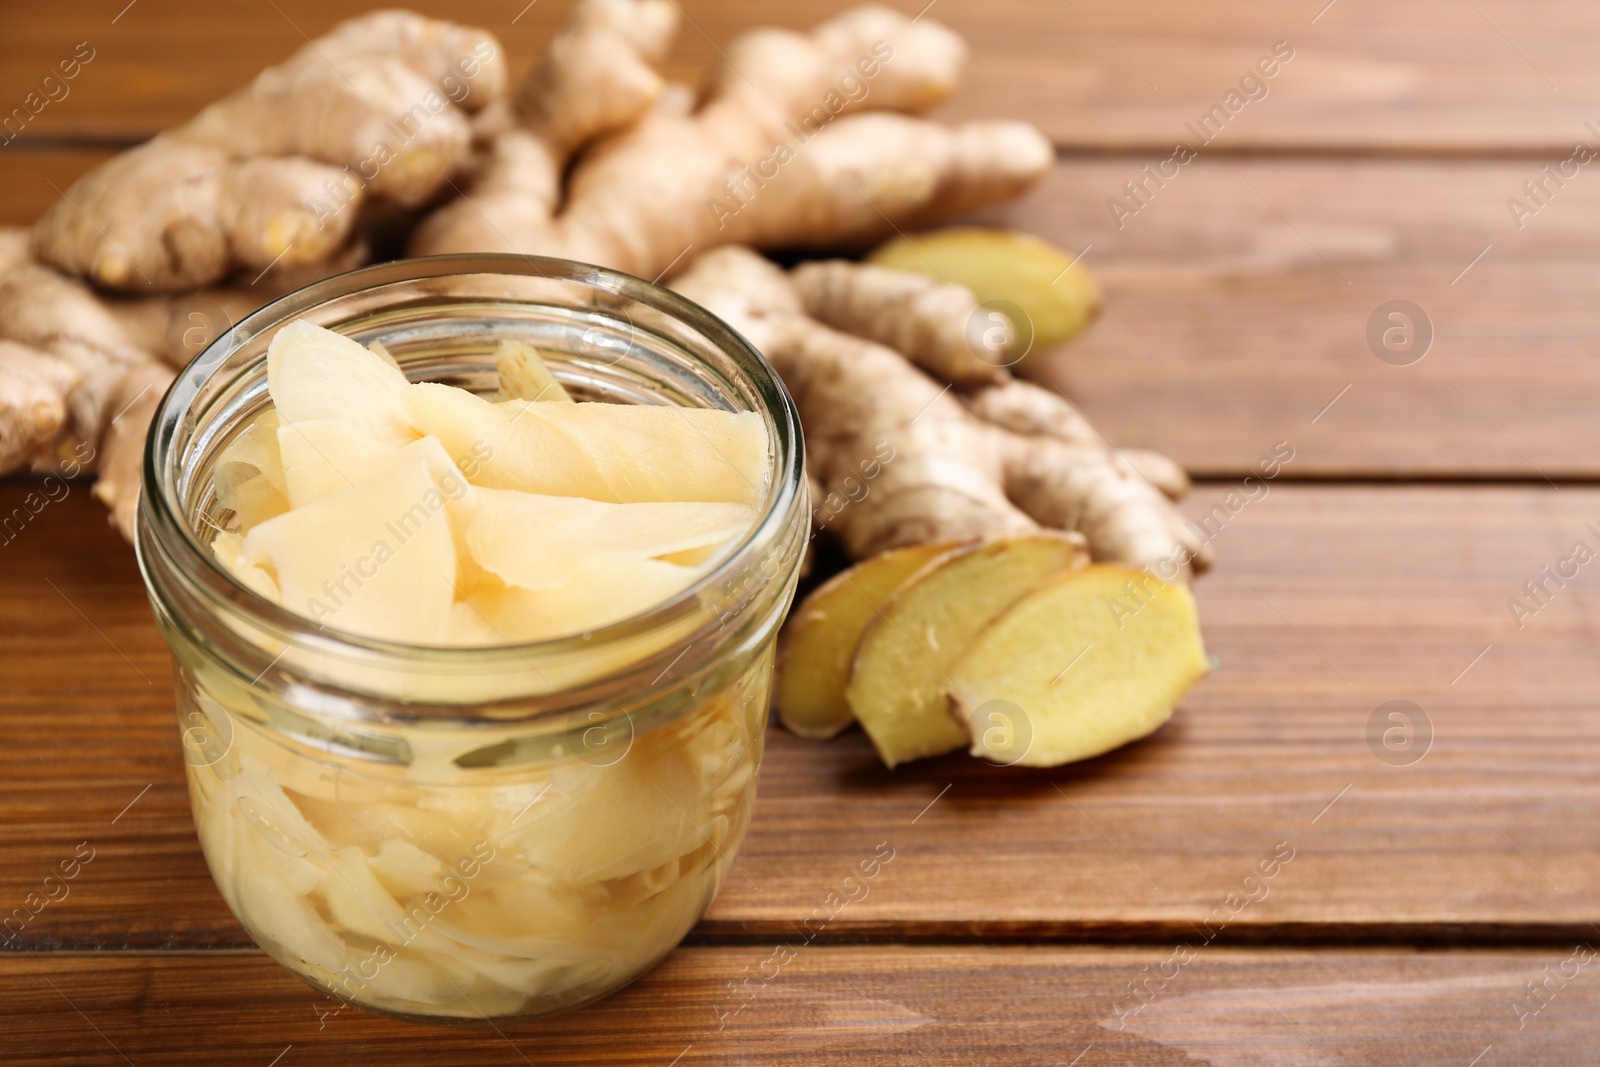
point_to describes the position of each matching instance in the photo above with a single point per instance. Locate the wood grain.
(843, 1005)
(1378, 167)
(1328, 602)
(1239, 298)
(1397, 76)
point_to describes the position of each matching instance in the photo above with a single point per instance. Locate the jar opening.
(613, 336)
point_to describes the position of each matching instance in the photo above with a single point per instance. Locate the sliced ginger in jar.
(585, 513)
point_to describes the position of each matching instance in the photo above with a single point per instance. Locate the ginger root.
(903, 462)
(33, 401)
(784, 152)
(962, 465)
(277, 171)
(936, 326)
(68, 373)
(81, 373)
(803, 140)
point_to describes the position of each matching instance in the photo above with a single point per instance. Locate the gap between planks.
(1420, 936)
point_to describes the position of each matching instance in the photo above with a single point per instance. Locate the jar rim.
(162, 524)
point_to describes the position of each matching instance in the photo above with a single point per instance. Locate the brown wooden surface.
(1021, 904)
(1368, 75)
(866, 1006)
(1238, 300)
(1327, 602)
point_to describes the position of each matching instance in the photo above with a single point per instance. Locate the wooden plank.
(32, 181)
(1327, 603)
(1390, 75)
(1240, 296)
(852, 1005)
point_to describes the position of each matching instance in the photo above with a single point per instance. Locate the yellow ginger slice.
(819, 643)
(524, 376)
(899, 681)
(376, 559)
(314, 373)
(1087, 662)
(228, 546)
(256, 447)
(601, 590)
(1057, 297)
(254, 500)
(381, 350)
(324, 456)
(559, 565)
(532, 541)
(249, 473)
(620, 453)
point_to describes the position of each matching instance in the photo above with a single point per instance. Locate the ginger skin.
(276, 172)
(803, 140)
(930, 323)
(954, 474)
(782, 153)
(81, 373)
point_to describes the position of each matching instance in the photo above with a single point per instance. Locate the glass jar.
(459, 833)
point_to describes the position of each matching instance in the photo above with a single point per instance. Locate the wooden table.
(1100, 913)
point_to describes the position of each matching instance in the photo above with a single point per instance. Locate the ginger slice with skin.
(819, 641)
(899, 679)
(1087, 662)
(1039, 283)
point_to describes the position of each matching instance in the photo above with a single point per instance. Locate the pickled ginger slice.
(376, 558)
(620, 453)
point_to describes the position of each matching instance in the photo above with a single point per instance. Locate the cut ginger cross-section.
(899, 681)
(820, 641)
(1088, 661)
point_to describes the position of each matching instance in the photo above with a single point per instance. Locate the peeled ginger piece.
(561, 565)
(323, 456)
(249, 473)
(375, 559)
(313, 373)
(532, 541)
(601, 590)
(524, 376)
(425, 514)
(1084, 663)
(256, 450)
(621, 453)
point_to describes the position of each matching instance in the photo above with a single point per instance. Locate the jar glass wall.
(471, 833)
